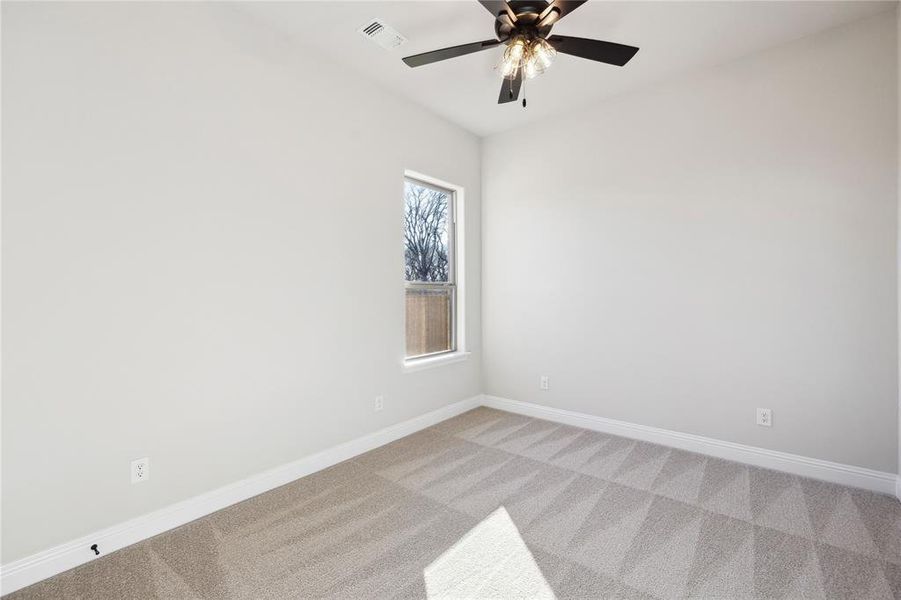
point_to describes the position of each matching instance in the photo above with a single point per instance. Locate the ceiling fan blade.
(417, 60)
(605, 52)
(510, 89)
(498, 7)
(556, 10)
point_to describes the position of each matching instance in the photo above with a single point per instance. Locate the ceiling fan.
(524, 26)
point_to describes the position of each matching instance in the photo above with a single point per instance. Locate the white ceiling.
(674, 37)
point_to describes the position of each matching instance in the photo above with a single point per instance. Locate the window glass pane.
(429, 319)
(426, 247)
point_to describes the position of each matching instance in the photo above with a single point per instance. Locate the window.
(430, 269)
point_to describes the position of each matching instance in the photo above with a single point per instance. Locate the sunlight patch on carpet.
(490, 561)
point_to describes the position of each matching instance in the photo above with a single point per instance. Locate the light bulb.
(530, 70)
(511, 62)
(513, 57)
(543, 54)
(509, 68)
(516, 49)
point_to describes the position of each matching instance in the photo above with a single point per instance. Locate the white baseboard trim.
(859, 477)
(898, 486)
(34, 568)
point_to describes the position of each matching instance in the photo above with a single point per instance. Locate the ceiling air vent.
(382, 34)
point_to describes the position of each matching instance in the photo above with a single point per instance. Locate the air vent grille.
(382, 34)
(373, 28)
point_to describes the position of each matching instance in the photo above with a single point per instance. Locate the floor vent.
(382, 34)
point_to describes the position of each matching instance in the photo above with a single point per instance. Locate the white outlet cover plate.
(140, 470)
(765, 417)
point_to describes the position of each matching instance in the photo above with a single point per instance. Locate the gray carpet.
(601, 516)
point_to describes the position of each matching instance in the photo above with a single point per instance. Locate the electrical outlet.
(140, 470)
(379, 403)
(544, 383)
(765, 417)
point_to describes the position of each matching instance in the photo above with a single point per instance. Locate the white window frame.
(458, 264)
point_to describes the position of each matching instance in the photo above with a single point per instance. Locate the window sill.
(430, 362)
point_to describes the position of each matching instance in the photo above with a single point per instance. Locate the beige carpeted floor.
(590, 516)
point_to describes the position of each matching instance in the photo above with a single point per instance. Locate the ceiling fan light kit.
(528, 57)
(524, 27)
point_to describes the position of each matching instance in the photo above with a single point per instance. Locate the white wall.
(202, 258)
(898, 44)
(682, 255)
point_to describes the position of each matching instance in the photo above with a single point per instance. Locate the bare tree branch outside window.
(425, 234)
(430, 288)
